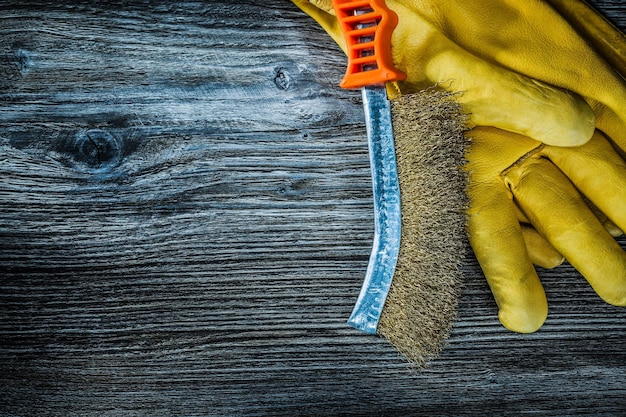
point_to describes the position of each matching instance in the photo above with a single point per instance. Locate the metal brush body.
(416, 145)
(412, 284)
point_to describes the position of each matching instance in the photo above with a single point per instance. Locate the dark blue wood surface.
(186, 219)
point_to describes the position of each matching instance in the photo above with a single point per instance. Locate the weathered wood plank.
(186, 218)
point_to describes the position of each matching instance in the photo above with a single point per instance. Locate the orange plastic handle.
(367, 26)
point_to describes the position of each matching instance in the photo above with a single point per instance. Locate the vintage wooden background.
(186, 218)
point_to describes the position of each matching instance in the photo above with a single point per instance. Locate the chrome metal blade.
(387, 220)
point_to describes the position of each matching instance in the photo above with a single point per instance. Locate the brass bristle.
(430, 149)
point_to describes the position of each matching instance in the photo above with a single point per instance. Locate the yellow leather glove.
(540, 209)
(518, 64)
(509, 174)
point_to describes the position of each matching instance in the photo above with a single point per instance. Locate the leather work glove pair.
(531, 86)
(557, 200)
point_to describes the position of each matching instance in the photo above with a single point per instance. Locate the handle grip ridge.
(367, 26)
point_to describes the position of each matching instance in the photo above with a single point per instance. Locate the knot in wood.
(23, 61)
(282, 79)
(96, 149)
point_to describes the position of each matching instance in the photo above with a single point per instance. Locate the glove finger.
(610, 123)
(496, 239)
(540, 251)
(606, 222)
(557, 211)
(492, 95)
(521, 217)
(598, 172)
(609, 226)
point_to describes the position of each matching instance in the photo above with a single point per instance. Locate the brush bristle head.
(422, 303)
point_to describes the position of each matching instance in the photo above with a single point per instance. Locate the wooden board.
(186, 219)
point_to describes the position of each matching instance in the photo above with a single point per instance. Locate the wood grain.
(186, 218)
